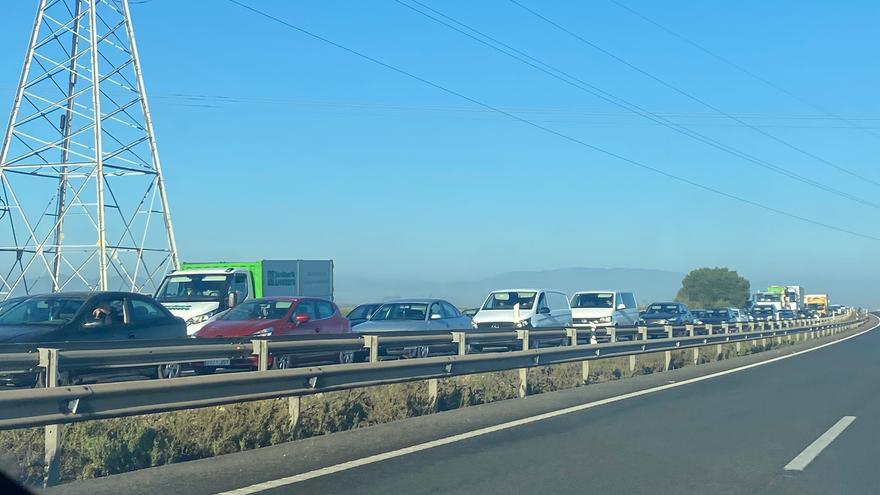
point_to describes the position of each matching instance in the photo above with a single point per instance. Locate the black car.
(717, 316)
(666, 313)
(361, 313)
(787, 314)
(85, 316)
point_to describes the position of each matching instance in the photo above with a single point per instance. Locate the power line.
(543, 128)
(695, 98)
(582, 85)
(746, 71)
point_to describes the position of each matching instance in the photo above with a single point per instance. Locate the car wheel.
(282, 362)
(168, 371)
(346, 357)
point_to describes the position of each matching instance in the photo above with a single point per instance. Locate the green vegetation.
(713, 288)
(100, 448)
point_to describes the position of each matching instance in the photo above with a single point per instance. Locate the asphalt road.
(732, 433)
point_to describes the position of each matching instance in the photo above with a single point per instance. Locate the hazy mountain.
(649, 285)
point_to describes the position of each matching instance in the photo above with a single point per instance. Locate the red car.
(276, 317)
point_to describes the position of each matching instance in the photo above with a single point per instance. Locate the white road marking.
(804, 459)
(345, 466)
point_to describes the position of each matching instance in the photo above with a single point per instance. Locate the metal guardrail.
(67, 404)
(74, 356)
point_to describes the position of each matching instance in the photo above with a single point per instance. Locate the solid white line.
(804, 459)
(290, 480)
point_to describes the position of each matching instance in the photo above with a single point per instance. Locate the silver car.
(414, 315)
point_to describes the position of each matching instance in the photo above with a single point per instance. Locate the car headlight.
(266, 332)
(662, 322)
(605, 319)
(474, 324)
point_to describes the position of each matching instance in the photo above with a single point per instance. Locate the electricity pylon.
(82, 200)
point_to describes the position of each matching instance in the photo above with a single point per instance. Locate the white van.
(604, 308)
(523, 309)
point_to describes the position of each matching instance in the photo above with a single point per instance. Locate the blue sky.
(275, 145)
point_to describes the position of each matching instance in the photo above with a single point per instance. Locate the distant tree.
(713, 287)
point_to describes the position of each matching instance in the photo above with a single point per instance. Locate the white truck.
(198, 292)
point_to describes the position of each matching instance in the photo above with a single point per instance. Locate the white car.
(523, 309)
(604, 308)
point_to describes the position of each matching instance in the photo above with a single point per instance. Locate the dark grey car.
(85, 316)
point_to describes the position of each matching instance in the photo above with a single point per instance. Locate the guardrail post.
(689, 329)
(643, 333)
(294, 408)
(739, 327)
(49, 363)
(710, 329)
(632, 363)
(668, 329)
(433, 386)
(696, 355)
(725, 328)
(459, 338)
(667, 360)
(572, 334)
(523, 335)
(612, 333)
(371, 343)
(261, 350)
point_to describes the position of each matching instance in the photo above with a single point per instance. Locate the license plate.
(218, 362)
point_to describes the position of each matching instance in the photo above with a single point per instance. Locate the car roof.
(418, 300)
(597, 291)
(88, 294)
(527, 290)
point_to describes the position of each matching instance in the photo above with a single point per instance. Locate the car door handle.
(317, 329)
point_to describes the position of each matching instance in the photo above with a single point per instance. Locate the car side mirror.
(436, 316)
(544, 311)
(300, 319)
(232, 299)
(621, 307)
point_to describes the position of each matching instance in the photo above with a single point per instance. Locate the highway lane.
(730, 434)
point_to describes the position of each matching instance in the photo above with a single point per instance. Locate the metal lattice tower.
(82, 200)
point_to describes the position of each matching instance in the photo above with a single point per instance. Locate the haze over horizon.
(302, 150)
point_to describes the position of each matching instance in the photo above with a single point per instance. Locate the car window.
(325, 309)
(307, 307)
(629, 299)
(108, 312)
(240, 286)
(436, 309)
(450, 310)
(362, 312)
(142, 310)
(542, 301)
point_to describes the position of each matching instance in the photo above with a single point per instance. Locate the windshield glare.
(765, 297)
(258, 310)
(400, 311)
(593, 300)
(507, 300)
(51, 311)
(194, 288)
(662, 308)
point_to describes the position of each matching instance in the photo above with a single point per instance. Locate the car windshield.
(699, 313)
(362, 312)
(762, 310)
(507, 300)
(42, 310)
(593, 300)
(400, 311)
(193, 288)
(9, 303)
(662, 308)
(258, 309)
(716, 313)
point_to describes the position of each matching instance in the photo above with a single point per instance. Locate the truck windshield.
(193, 288)
(42, 310)
(507, 300)
(768, 297)
(593, 300)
